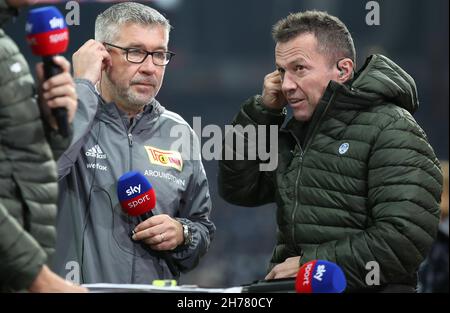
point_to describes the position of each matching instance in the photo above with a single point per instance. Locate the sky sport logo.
(133, 189)
(55, 38)
(56, 23)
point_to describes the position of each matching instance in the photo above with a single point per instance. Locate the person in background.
(28, 187)
(357, 180)
(121, 127)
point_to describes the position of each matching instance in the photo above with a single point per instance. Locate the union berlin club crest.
(165, 157)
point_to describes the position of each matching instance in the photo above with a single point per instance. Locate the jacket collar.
(109, 113)
(328, 100)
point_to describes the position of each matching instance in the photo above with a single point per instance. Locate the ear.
(345, 69)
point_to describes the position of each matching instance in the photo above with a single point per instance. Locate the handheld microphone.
(48, 36)
(320, 276)
(136, 195)
(316, 276)
(137, 198)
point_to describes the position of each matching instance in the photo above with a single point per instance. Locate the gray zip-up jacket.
(93, 242)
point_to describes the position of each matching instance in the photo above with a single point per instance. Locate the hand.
(90, 60)
(57, 92)
(160, 232)
(272, 96)
(289, 268)
(47, 281)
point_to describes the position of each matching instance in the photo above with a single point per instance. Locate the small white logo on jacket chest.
(344, 148)
(15, 68)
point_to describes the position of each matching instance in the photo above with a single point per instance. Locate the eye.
(299, 67)
(159, 55)
(135, 50)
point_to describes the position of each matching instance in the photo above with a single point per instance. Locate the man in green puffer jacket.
(28, 187)
(357, 181)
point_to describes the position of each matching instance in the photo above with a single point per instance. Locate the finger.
(89, 44)
(153, 242)
(285, 272)
(150, 232)
(62, 63)
(166, 244)
(69, 103)
(64, 102)
(272, 83)
(158, 239)
(272, 74)
(148, 223)
(276, 79)
(273, 86)
(58, 80)
(60, 91)
(163, 246)
(271, 275)
(107, 61)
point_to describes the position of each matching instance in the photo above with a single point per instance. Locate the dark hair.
(333, 37)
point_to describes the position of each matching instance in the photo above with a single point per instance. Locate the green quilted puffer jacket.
(28, 186)
(365, 186)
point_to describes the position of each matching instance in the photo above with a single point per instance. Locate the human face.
(305, 74)
(129, 85)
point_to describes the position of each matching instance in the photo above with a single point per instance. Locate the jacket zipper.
(302, 154)
(130, 146)
(130, 149)
(296, 188)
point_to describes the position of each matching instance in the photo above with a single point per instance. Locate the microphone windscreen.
(320, 276)
(47, 32)
(135, 193)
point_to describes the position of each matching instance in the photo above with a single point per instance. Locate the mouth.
(295, 102)
(144, 84)
(143, 87)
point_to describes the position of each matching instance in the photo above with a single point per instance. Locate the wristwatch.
(187, 233)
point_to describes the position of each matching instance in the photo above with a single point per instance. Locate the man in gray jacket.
(120, 127)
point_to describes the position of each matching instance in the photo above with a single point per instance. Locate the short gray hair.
(332, 35)
(108, 23)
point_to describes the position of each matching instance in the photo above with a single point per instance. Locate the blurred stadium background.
(224, 49)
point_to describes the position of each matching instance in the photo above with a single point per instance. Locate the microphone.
(318, 276)
(137, 198)
(48, 36)
(136, 195)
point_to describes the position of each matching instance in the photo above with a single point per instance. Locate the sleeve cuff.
(262, 115)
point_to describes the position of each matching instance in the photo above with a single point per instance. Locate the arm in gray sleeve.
(195, 213)
(88, 102)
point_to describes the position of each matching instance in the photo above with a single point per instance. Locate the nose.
(288, 84)
(147, 67)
